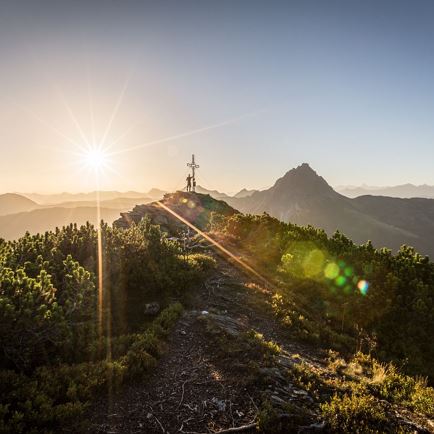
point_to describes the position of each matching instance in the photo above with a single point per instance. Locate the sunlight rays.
(187, 133)
(93, 157)
(72, 116)
(51, 127)
(215, 243)
(116, 109)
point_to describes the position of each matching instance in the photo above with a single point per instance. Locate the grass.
(354, 413)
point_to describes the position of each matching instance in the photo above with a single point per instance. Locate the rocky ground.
(212, 379)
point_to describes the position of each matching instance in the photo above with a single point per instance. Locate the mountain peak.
(303, 180)
(305, 168)
(244, 193)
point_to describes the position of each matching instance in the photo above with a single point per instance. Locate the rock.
(300, 392)
(315, 427)
(231, 326)
(219, 403)
(286, 362)
(152, 308)
(273, 373)
(277, 400)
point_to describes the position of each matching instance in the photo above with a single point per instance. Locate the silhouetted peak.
(303, 180)
(304, 167)
(244, 193)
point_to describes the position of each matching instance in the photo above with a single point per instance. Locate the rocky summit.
(196, 208)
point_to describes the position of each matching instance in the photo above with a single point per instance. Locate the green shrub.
(354, 413)
(53, 396)
(350, 296)
(413, 393)
(168, 317)
(204, 262)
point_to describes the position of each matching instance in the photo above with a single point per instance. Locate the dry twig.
(237, 429)
(183, 392)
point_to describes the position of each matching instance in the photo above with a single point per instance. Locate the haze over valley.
(301, 196)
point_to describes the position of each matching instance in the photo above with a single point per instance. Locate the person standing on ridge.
(189, 178)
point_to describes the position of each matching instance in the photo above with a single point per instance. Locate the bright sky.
(346, 86)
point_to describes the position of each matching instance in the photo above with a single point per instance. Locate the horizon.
(229, 193)
(251, 91)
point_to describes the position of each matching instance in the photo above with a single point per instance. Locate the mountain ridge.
(403, 191)
(303, 197)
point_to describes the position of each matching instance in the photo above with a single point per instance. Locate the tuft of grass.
(384, 381)
(269, 348)
(354, 413)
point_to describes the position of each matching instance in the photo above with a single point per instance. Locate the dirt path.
(193, 390)
(205, 382)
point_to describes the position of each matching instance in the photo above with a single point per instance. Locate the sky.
(252, 88)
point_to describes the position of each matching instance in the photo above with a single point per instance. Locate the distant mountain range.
(117, 203)
(402, 191)
(302, 196)
(54, 199)
(214, 193)
(14, 226)
(19, 214)
(244, 193)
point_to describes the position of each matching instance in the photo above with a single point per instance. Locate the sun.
(95, 159)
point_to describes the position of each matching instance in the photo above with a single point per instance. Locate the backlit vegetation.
(54, 361)
(341, 295)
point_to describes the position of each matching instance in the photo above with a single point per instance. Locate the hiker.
(189, 178)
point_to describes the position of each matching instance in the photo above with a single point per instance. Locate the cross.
(193, 166)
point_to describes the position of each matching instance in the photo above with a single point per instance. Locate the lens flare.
(341, 281)
(313, 263)
(331, 271)
(348, 271)
(363, 286)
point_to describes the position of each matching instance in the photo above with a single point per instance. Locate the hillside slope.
(234, 365)
(11, 203)
(303, 197)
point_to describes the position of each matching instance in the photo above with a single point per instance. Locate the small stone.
(152, 308)
(300, 392)
(277, 400)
